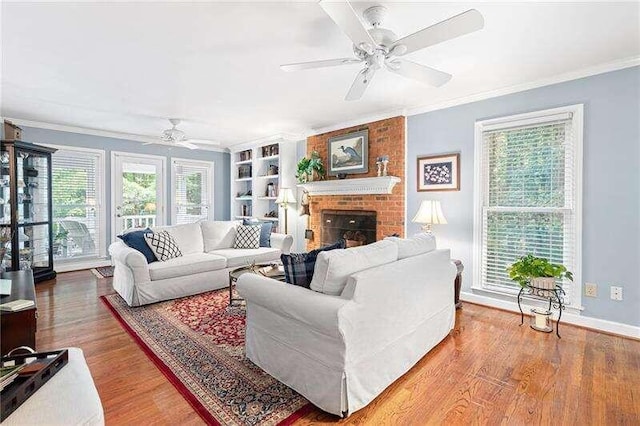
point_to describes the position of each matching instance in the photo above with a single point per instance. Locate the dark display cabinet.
(26, 209)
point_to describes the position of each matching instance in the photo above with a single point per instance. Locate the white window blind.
(192, 190)
(528, 196)
(77, 211)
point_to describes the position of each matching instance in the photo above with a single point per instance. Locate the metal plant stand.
(554, 295)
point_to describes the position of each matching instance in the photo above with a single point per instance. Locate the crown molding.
(278, 137)
(560, 78)
(103, 133)
(421, 109)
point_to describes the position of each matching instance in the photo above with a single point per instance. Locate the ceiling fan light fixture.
(398, 50)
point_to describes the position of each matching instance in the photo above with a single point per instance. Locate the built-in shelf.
(267, 198)
(243, 179)
(244, 199)
(272, 219)
(271, 157)
(243, 217)
(357, 186)
(269, 176)
(239, 163)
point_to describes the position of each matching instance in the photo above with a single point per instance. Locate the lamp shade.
(285, 196)
(430, 212)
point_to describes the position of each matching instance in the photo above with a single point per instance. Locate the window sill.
(512, 297)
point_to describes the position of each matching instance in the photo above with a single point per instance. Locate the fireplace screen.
(356, 226)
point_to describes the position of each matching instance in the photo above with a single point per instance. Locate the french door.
(138, 194)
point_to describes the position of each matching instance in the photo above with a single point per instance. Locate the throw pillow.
(298, 267)
(163, 245)
(135, 240)
(265, 231)
(247, 237)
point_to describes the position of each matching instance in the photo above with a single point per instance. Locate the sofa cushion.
(219, 234)
(244, 257)
(334, 267)
(188, 236)
(265, 231)
(135, 240)
(418, 244)
(186, 265)
(247, 237)
(299, 267)
(163, 245)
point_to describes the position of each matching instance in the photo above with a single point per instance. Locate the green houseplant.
(537, 272)
(310, 169)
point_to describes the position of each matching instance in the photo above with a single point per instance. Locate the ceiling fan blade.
(319, 64)
(418, 72)
(204, 142)
(346, 18)
(148, 143)
(360, 84)
(187, 144)
(456, 26)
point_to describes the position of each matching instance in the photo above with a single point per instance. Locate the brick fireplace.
(386, 137)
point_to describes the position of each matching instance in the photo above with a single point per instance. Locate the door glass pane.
(191, 192)
(138, 208)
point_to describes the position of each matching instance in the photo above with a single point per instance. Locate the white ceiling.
(126, 67)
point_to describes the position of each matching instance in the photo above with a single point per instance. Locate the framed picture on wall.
(439, 173)
(349, 153)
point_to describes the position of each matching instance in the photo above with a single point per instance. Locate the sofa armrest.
(132, 259)
(316, 310)
(282, 242)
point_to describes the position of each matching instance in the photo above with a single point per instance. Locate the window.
(528, 186)
(78, 216)
(192, 190)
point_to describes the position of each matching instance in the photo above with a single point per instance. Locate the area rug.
(103, 271)
(198, 343)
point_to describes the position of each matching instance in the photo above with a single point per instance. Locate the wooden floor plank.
(489, 370)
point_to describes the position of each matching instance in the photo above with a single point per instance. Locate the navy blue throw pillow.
(298, 267)
(135, 240)
(265, 231)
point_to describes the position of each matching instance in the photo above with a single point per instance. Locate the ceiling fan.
(379, 47)
(176, 136)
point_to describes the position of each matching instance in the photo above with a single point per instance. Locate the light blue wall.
(221, 163)
(611, 184)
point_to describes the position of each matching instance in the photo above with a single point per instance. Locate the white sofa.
(207, 257)
(341, 351)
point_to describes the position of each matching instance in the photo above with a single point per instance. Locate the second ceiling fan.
(380, 48)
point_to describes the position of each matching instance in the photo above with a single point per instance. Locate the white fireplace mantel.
(358, 186)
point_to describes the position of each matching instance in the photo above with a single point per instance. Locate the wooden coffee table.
(251, 269)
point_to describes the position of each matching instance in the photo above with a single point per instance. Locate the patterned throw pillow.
(298, 267)
(265, 231)
(247, 237)
(163, 245)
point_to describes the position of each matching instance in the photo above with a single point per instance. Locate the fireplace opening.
(358, 227)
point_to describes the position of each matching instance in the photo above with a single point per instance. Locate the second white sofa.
(207, 257)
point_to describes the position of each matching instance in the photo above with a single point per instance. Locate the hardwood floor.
(488, 371)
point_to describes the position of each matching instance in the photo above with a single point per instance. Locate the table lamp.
(285, 197)
(429, 213)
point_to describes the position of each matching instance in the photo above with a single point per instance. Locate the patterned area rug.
(198, 343)
(103, 271)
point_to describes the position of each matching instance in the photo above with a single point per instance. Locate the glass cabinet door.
(33, 185)
(5, 189)
(33, 243)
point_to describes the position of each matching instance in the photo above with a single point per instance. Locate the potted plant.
(310, 169)
(537, 272)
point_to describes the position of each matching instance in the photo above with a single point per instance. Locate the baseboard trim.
(606, 326)
(79, 266)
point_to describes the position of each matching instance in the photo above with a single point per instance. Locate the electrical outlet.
(591, 289)
(616, 293)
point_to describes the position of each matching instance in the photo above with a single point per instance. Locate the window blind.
(528, 197)
(192, 191)
(77, 212)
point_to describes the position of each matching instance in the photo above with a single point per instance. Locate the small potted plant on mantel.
(537, 272)
(310, 169)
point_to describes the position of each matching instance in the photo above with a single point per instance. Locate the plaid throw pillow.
(298, 267)
(162, 245)
(247, 237)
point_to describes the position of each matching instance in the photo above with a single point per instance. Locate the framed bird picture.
(349, 154)
(439, 173)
